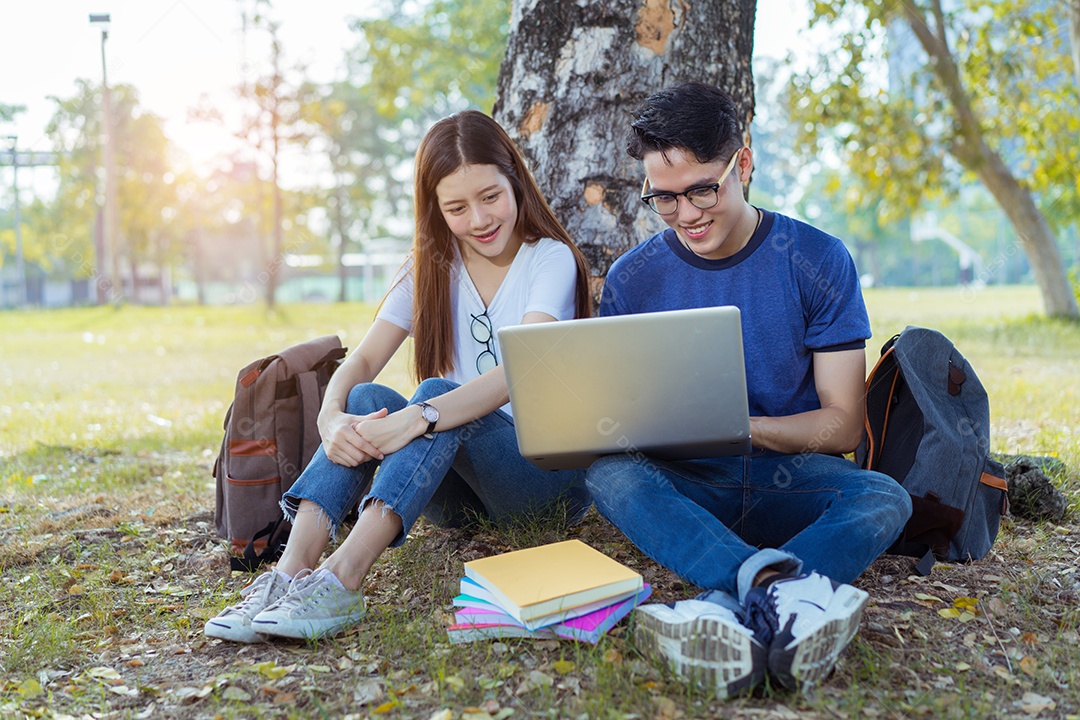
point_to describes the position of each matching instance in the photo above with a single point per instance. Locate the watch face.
(430, 414)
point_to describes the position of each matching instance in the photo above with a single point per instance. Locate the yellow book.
(549, 579)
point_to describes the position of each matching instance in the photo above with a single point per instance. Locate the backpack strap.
(925, 564)
(308, 385)
(878, 409)
(250, 561)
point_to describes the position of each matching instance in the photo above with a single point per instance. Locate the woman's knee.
(367, 398)
(433, 387)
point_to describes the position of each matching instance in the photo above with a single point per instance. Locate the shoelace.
(254, 593)
(299, 589)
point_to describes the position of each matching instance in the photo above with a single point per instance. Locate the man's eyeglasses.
(483, 334)
(702, 197)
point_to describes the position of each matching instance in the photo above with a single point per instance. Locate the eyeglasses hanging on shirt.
(483, 333)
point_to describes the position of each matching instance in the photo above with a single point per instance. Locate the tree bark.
(1074, 38)
(339, 224)
(971, 149)
(572, 75)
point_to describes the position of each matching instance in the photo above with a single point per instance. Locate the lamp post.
(111, 279)
(20, 261)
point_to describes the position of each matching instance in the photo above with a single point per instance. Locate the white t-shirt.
(542, 278)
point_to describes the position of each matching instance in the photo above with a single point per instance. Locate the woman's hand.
(390, 433)
(343, 445)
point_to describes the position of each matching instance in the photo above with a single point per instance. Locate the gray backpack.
(928, 427)
(270, 436)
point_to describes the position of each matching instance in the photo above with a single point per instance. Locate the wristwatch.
(431, 414)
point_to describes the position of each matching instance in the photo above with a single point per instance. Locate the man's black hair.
(691, 116)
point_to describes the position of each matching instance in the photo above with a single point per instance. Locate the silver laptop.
(669, 385)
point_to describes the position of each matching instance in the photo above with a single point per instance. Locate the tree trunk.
(572, 75)
(1074, 38)
(971, 149)
(1034, 232)
(339, 223)
(277, 258)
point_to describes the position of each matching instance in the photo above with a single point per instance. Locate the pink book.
(479, 620)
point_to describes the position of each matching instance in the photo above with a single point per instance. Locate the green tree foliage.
(62, 230)
(985, 88)
(363, 152)
(8, 112)
(431, 58)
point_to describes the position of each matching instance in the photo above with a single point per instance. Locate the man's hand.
(835, 428)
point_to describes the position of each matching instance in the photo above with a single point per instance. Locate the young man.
(775, 535)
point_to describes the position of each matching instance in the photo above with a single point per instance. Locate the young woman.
(488, 252)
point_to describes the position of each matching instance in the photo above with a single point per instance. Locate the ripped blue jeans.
(458, 476)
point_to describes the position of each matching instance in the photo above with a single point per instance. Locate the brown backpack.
(271, 434)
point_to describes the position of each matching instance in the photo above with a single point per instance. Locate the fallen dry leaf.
(1033, 703)
(367, 692)
(540, 679)
(1002, 672)
(563, 666)
(284, 698)
(666, 709)
(387, 706)
(103, 673)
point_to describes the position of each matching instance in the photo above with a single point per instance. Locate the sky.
(179, 53)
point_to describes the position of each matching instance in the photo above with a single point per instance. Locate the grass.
(109, 424)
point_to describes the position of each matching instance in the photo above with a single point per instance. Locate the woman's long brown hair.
(468, 138)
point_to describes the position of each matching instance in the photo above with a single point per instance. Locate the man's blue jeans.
(460, 475)
(709, 520)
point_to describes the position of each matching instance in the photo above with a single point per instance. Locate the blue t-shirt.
(795, 286)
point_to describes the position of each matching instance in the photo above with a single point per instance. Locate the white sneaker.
(315, 606)
(810, 620)
(702, 642)
(234, 622)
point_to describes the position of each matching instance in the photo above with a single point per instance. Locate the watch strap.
(431, 423)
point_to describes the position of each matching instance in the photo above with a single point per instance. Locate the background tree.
(572, 74)
(986, 93)
(271, 122)
(1074, 38)
(363, 151)
(59, 231)
(146, 200)
(428, 59)
(263, 127)
(8, 112)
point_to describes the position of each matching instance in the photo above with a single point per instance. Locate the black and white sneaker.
(703, 642)
(806, 622)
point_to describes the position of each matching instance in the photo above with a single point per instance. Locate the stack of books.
(562, 590)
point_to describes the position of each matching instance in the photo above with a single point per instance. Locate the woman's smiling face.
(478, 204)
